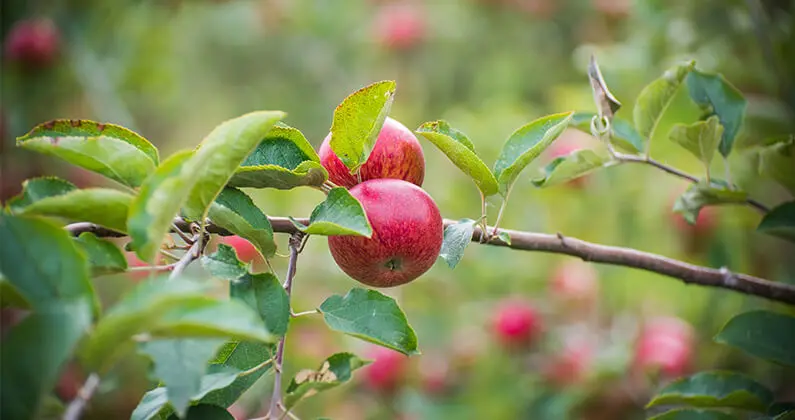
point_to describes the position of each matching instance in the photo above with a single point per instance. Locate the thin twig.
(530, 241)
(190, 256)
(295, 244)
(312, 312)
(152, 267)
(287, 413)
(77, 405)
(255, 369)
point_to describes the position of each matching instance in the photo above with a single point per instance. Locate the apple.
(406, 240)
(575, 281)
(571, 364)
(246, 252)
(399, 26)
(665, 345)
(387, 371)
(32, 43)
(397, 154)
(706, 221)
(516, 323)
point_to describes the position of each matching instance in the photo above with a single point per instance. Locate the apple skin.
(387, 371)
(399, 26)
(246, 252)
(516, 323)
(406, 240)
(397, 154)
(665, 346)
(34, 43)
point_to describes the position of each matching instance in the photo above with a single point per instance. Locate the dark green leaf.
(154, 403)
(34, 351)
(234, 211)
(460, 150)
(205, 412)
(525, 145)
(780, 221)
(103, 206)
(692, 414)
(108, 149)
(654, 99)
(339, 214)
(334, 371)
(37, 188)
(103, 256)
(763, 334)
(265, 293)
(180, 365)
(782, 410)
(715, 389)
(700, 138)
(717, 97)
(370, 316)
(566, 168)
(307, 173)
(622, 134)
(224, 263)
(776, 160)
(700, 195)
(43, 263)
(158, 201)
(358, 120)
(456, 239)
(10, 296)
(243, 356)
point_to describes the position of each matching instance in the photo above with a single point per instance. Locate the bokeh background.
(172, 70)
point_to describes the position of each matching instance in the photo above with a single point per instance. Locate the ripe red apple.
(575, 281)
(516, 323)
(399, 26)
(665, 345)
(387, 371)
(406, 240)
(32, 43)
(397, 154)
(246, 252)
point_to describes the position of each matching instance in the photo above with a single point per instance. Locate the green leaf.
(782, 410)
(622, 134)
(700, 195)
(243, 356)
(103, 256)
(108, 149)
(10, 296)
(692, 414)
(335, 371)
(284, 159)
(158, 201)
(43, 263)
(234, 211)
(224, 263)
(715, 389)
(456, 239)
(525, 145)
(34, 351)
(717, 97)
(370, 316)
(169, 308)
(154, 403)
(38, 188)
(264, 293)
(700, 138)
(763, 334)
(460, 150)
(505, 237)
(780, 221)
(358, 120)
(776, 160)
(339, 214)
(180, 365)
(655, 98)
(205, 412)
(103, 206)
(566, 168)
(220, 153)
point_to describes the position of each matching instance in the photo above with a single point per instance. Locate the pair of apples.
(407, 227)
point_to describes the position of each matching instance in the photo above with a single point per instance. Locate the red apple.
(665, 345)
(32, 43)
(397, 154)
(516, 323)
(406, 240)
(246, 252)
(575, 281)
(399, 26)
(706, 221)
(571, 364)
(387, 371)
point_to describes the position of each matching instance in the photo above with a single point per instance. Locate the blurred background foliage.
(172, 70)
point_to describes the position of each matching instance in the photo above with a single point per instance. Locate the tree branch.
(558, 244)
(85, 393)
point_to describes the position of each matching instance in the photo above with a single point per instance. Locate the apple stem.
(500, 213)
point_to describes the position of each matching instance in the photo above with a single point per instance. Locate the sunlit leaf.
(655, 98)
(102, 206)
(566, 168)
(38, 188)
(700, 138)
(234, 211)
(339, 214)
(456, 238)
(717, 97)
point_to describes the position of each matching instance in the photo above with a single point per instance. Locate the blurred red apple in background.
(399, 26)
(406, 240)
(397, 154)
(665, 345)
(571, 364)
(387, 372)
(435, 374)
(32, 43)
(516, 323)
(575, 281)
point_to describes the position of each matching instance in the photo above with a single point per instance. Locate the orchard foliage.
(206, 350)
